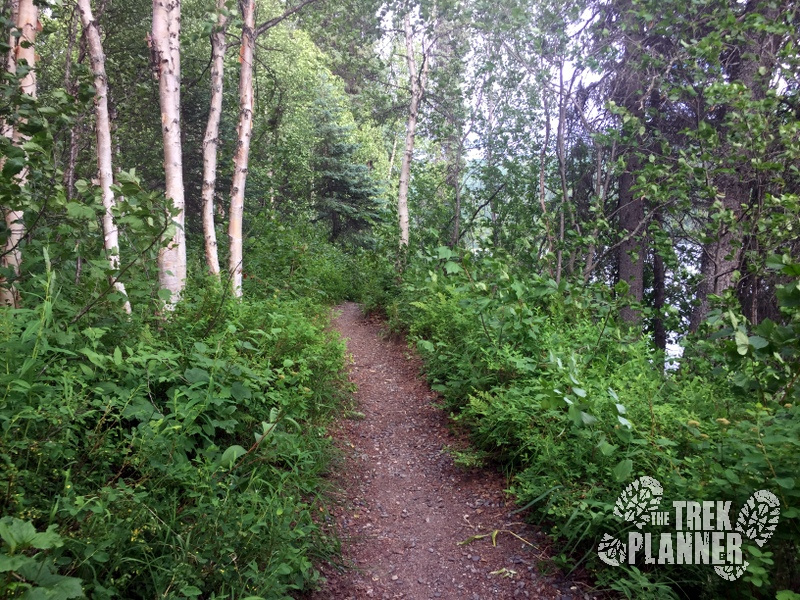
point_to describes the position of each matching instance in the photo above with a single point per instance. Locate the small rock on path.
(407, 506)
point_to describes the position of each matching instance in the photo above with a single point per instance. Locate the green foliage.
(177, 457)
(575, 406)
(297, 261)
(32, 576)
(345, 192)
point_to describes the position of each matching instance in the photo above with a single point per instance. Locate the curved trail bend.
(407, 507)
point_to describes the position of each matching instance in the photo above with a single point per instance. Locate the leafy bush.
(575, 407)
(296, 261)
(174, 457)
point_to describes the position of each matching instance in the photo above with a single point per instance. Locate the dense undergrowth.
(174, 456)
(574, 408)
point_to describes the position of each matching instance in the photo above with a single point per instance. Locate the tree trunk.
(27, 21)
(455, 154)
(166, 44)
(417, 81)
(659, 300)
(631, 250)
(721, 257)
(103, 130)
(11, 57)
(242, 156)
(211, 139)
(751, 63)
(562, 168)
(542, 172)
(601, 187)
(456, 233)
(391, 158)
(71, 85)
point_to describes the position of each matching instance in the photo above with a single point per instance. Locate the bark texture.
(27, 21)
(418, 81)
(751, 63)
(166, 50)
(242, 156)
(211, 139)
(103, 131)
(11, 57)
(631, 250)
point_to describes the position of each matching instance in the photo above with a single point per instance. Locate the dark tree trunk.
(631, 250)
(659, 299)
(752, 63)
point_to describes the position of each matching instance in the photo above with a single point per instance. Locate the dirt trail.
(407, 506)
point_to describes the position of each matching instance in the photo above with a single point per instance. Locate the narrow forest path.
(406, 506)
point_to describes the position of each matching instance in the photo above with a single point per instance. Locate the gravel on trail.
(406, 512)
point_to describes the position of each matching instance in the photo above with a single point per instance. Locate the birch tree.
(211, 138)
(11, 56)
(22, 50)
(165, 42)
(418, 79)
(103, 132)
(242, 156)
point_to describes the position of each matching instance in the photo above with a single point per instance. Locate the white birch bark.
(11, 61)
(417, 81)
(166, 44)
(211, 139)
(27, 20)
(242, 156)
(103, 132)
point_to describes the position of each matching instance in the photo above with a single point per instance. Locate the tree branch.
(288, 13)
(480, 208)
(121, 272)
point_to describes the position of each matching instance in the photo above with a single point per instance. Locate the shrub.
(178, 457)
(574, 407)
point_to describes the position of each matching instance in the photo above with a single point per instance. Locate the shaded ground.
(407, 506)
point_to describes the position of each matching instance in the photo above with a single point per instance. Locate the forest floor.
(405, 510)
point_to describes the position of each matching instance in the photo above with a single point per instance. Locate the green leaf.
(451, 267)
(13, 563)
(785, 482)
(17, 533)
(231, 455)
(53, 587)
(12, 167)
(623, 470)
(607, 449)
(426, 345)
(76, 210)
(240, 391)
(444, 252)
(580, 392)
(196, 375)
(742, 342)
(758, 342)
(191, 591)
